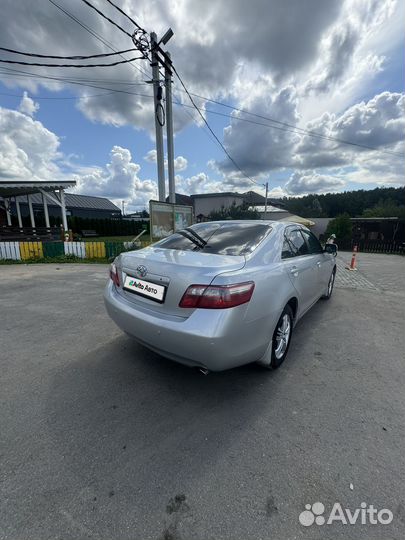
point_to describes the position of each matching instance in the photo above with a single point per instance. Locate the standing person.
(331, 239)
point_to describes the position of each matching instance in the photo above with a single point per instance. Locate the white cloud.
(118, 180)
(28, 151)
(151, 156)
(277, 48)
(180, 162)
(277, 193)
(312, 182)
(28, 105)
(342, 46)
(258, 58)
(378, 123)
(258, 149)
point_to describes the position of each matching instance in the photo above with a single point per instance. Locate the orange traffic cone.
(353, 261)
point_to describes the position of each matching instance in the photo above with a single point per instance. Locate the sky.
(334, 68)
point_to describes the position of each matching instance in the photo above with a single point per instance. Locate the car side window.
(296, 242)
(287, 251)
(313, 243)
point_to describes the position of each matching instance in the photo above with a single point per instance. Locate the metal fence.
(380, 247)
(21, 251)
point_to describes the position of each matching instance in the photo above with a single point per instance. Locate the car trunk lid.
(172, 269)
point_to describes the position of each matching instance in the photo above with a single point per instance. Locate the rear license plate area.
(153, 291)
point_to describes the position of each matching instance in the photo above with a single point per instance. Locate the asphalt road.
(103, 439)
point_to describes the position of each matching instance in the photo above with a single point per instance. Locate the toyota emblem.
(141, 270)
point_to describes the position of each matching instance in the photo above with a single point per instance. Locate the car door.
(301, 267)
(322, 260)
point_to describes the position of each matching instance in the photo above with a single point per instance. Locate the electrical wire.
(82, 82)
(58, 79)
(239, 119)
(35, 55)
(186, 107)
(59, 97)
(104, 41)
(211, 130)
(107, 18)
(118, 62)
(292, 128)
(127, 16)
(19, 73)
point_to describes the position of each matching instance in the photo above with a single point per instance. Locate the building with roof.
(26, 205)
(205, 203)
(180, 198)
(84, 206)
(11, 192)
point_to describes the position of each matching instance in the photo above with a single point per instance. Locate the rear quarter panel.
(272, 290)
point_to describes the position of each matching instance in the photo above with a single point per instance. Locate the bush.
(107, 227)
(342, 227)
(234, 212)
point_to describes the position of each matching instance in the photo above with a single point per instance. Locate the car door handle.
(294, 271)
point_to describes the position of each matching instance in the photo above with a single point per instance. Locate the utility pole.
(158, 108)
(169, 131)
(123, 208)
(265, 204)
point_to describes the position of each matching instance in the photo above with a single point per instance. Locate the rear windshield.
(221, 239)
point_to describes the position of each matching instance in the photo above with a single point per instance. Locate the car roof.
(245, 221)
(274, 224)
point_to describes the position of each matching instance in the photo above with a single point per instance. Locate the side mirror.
(331, 248)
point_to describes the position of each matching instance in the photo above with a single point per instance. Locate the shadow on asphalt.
(136, 430)
(122, 400)
(122, 407)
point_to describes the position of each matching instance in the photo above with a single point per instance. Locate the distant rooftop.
(77, 201)
(219, 194)
(270, 208)
(182, 199)
(24, 187)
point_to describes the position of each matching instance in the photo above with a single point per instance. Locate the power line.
(127, 16)
(59, 97)
(107, 18)
(38, 76)
(118, 62)
(186, 107)
(104, 41)
(82, 82)
(35, 55)
(293, 129)
(19, 73)
(211, 130)
(239, 119)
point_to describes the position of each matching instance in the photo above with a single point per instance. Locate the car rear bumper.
(208, 338)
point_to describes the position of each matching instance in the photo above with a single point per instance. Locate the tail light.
(114, 275)
(217, 296)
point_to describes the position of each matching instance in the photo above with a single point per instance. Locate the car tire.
(281, 339)
(331, 283)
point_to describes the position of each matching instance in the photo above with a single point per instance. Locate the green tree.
(341, 226)
(354, 203)
(234, 212)
(385, 208)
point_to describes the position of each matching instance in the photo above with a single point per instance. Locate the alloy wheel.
(283, 334)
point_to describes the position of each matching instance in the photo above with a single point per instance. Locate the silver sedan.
(221, 294)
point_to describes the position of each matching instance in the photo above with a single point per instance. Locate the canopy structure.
(50, 191)
(298, 219)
